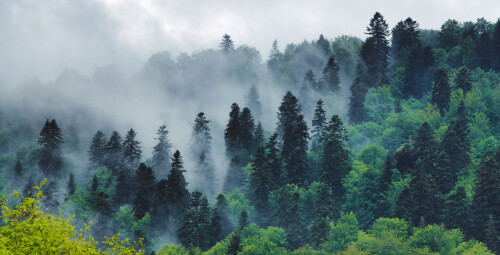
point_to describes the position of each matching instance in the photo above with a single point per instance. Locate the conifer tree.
(404, 34)
(253, 102)
(491, 235)
(405, 159)
(131, 150)
(296, 230)
(161, 152)
(274, 56)
(159, 211)
(231, 132)
(323, 208)
(113, 149)
(464, 79)
(227, 45)
(331, 75)
(496, 46)
(234, 246)
(456, 210)
(202, 139)
(356, 111)
(273, 161)
(234, 177)
(195, 222)
(425, 148)
(377, 59)
(243, 221)
(245, 134)
(205, 174)
(28, 190)
(260, 184)
(324, 45)
(50, 157)
(97, 151)
(384, 183)
(220, 226)
(258, 136)
(145, 182)
(441, 90)
(335, 156)
(296, 162)
(18, 169)
(318, 123)
(123, 193)
(288, 111)
(70, 185)
(177, 193)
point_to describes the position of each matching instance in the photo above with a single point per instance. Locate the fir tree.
(234, 246)
(70, 185)
(195, 222)
(113, 151)
(425, 148)
(243, 221)
(253, 102)
(97, 151)
(318, 124)
(405, 159)
(323, 208)
(177, 193)
(404, 34)
(356, 111)
(161, 152)
(260, 184)
(273, 161)
(159, 211)
(232, 130)
(220, 226)
(331, 75)
(274, 56)
(50, 157)
(234, 177)
(377, 59)
(456, 210)
(441, 90)
(123, 194)
(335, 156)
(288, 111)
(245, 134)
(202, 139)
(227, 45)
(496, 46)
(464, 79)
(205, 173)
(296, 162)
(258, 136)
(384, 183)
(145, 182)
(131, 150)
(324, 45)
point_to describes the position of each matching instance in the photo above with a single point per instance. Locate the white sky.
(40, 38)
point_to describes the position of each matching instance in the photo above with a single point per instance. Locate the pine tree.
(227, 45)
(195, 222)
(161, 152)
(457, 211)
(335, 156)
(425, 148)
(331, 75)
(288, 111)
(258, 136)
(405, 159)
(245, 134)
(231, 132)
(70, 185)
(441, 90)
(464, 79)
(131, 150)
(159, 211)
(404, 34)
(50, 157)
(177, 193)
(253, 102)
(296, 162)
(97, 151)
(234, 177)
(220, 226)
(318, 124)
(260, 184)
(205, 173)
(323, 208)
(356, 111)
(377, 59)
(234, 246)
(243, 221)
(324, 45)
(145, 182)
(496, 46)
(202, 139)
(273, 161)
(123, 194)
(113, 149)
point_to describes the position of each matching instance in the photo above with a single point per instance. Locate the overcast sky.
(40, 38)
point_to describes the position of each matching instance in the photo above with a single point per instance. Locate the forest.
(387, 145)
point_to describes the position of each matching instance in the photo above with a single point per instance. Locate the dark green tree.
(335, 156)
(324, 45)
(70, 185)
(231, 132)
(50, 158)
(457, 210)
(258, 136)
(323, 208)
(294, 152)
(288, 112)
(145, 182)
(202, 139)
(450, 33)
(195, 222)
(441, 90)
(377, 59)
(318, 121)
(97, 151)
(331, 75)
(405, 34)
(464, 79)
(131, 150)
(405, 159)
(113, 149)
(161, 152)
(234, 246)
(159, 210)
(357, 111)
(260, 185)
(227, 45)
(123, 193)
(221, 225)
(177, 193)
(496, 46)
(273, 161)
(245, 134)
(425, 148)
(243, 221)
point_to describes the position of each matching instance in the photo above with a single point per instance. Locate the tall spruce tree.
(227, 45)
(159, 211)
(324, 45)
(457, 211)
(357, 111)
(296, 160)
(195, 222)
(234, 246)
(441, 90)
(377, 58)
(70, 186)
(288, 111)
(331, 75)
(161, 152)
(273, 161)
(258, 136)
(260, 185)
(50, 158)
(113, 149)
(425, 148)
(231, 132)
(323, 209)
(335, 157)
(405, 34)
(220, 224)
(253, 102)
(245, 134)
(131, 150)
(177, 193)
(202, 139)
(234, 176)
(464, 79)
(318, 124)
(97, 151)
(145, 182)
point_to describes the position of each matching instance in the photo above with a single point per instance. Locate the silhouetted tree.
(331, 75)
(227, 45)
(145, 182)
(220, 226)
(232, 130)
(161, 152)
(202, 139)
(70, 185)
(97, 151)
(50, 141)
(377, 57)
(464, 79)
(177, 193)
(324, 45)
(356, 111)
(113, 149)
(441, 90)
(131, 150)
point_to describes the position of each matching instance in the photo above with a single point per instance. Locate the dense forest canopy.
(387, 145)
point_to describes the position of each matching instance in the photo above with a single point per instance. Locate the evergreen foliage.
(161, 151)
(97, 151)
(50, 158)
